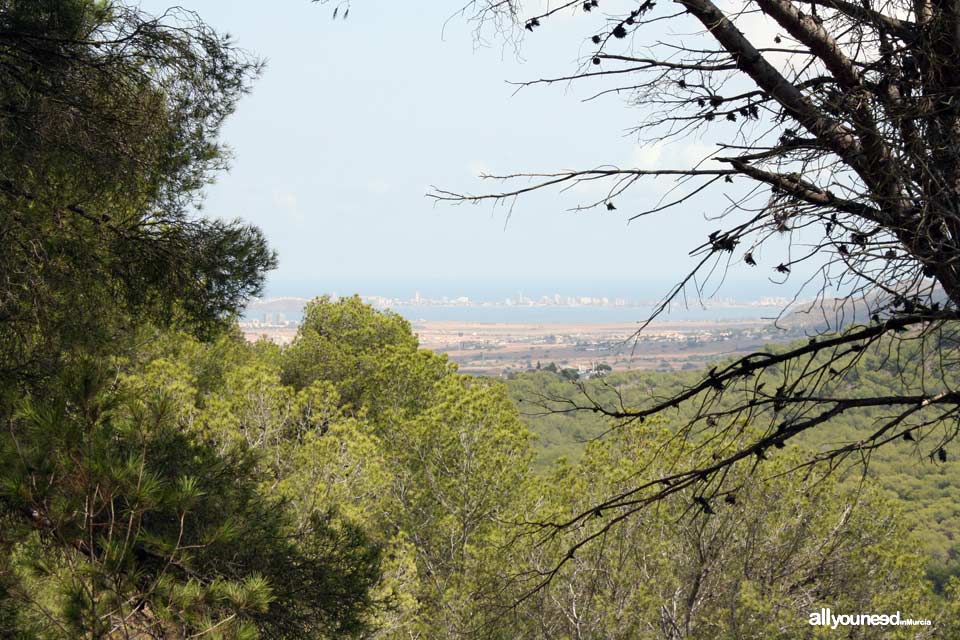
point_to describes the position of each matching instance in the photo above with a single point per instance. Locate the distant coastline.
(585, 310)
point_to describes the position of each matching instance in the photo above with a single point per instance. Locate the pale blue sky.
(353, 120)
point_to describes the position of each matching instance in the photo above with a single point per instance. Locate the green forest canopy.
(411, 504)
(926, 488)
(160, 477)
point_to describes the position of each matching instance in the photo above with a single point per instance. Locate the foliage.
(753, 568)
(109, 127)
(374, 513)
(923, 485)
(343, 343)
(159, 477)
(440, 457)
(115, 519)
(434, 467)
(836, 150)
(128, 525)
(410, 510)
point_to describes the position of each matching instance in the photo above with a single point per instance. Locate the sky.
(354, 121)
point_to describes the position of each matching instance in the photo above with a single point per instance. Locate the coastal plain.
(495, 348)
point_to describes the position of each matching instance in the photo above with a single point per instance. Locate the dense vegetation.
(352, 482)
(162, 478)
(910, 472)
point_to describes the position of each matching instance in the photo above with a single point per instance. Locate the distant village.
(585, 351)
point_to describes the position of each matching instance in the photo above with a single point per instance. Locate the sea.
(545, 314)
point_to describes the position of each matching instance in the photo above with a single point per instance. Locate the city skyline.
(521, 299)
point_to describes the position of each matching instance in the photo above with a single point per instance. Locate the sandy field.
(503, 348)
